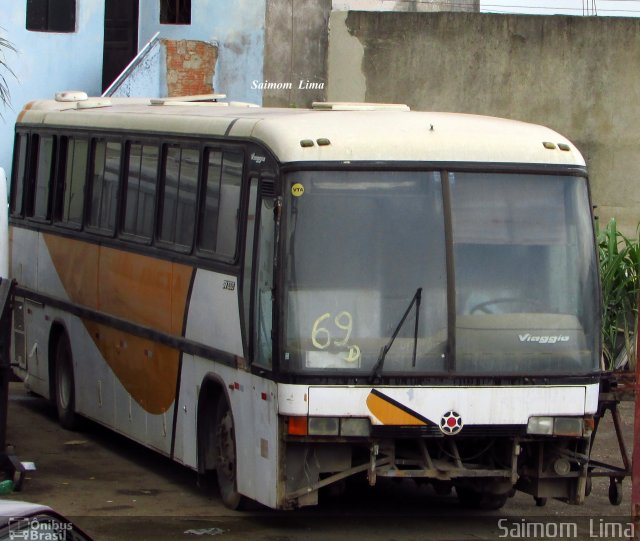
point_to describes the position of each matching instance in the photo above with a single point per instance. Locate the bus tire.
(65, 391)
(226, 456)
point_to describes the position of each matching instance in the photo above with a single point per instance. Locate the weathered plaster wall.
(295, 52)
(578, 75)
(235, 26)
(406, 5)
(43, 62)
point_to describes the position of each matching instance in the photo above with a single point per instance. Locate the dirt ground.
(119, 491)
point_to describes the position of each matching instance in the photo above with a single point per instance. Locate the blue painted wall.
(47, 62)
(236, 26)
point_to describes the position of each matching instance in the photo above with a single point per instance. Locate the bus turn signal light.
(297, 426)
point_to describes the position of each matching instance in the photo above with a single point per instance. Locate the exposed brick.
(190, 67)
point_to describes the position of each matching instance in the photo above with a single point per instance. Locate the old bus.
(288, 298)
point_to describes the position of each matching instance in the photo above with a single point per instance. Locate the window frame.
(62, 168)
(172, 245)
(93, 142)
(175, 12)
(124, 186)
(38, 16)
(15, 170)
(33, 176)
(243, 187)
(112, 149)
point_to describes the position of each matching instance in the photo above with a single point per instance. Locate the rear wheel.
(65, 393)
(226, 463)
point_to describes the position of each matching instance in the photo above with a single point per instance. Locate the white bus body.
(292, 297)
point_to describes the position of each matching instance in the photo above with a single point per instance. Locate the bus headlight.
(355, 426)
(324, 426)
(540, 425)
(556, 426)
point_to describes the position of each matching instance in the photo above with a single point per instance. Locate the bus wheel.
(226, 456)
(65, 394)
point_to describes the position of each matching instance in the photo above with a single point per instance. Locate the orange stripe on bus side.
(137, 288)
(146, 369)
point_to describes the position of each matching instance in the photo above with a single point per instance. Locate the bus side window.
(229, 203)
(248, 257)
(140, 192)
(219, 215)
(72, 175)
(45, 146)
(180, 180)
(19, 170)
(265, 251)
(104, 179)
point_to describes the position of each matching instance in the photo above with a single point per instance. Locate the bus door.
(259, 307)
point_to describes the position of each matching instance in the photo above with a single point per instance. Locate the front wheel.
(226, 463)
(65, 392)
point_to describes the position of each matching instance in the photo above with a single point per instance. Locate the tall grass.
(619, 276)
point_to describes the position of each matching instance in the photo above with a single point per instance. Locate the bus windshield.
(364, 249)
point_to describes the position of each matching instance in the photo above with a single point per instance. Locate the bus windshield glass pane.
(359, 246)
(525, 272)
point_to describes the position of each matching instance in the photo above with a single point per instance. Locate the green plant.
(5, 45)
(619, 276)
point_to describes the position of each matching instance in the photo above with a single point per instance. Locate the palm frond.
(620, 283)
(5, 45)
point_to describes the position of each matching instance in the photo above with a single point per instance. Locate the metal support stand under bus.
(618, 386)
(635, 475)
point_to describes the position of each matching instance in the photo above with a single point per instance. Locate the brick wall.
(190, 67)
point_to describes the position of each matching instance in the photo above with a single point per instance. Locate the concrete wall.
(42, 64)
(296, 42)
(295, 52)
(577, 75)
(236, 27)
(406, 5)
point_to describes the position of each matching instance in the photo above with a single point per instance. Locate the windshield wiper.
(377, 369)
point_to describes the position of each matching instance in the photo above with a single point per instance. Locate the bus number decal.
(321, 336)
(229, 285)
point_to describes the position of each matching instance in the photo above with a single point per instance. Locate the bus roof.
(327, 134)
